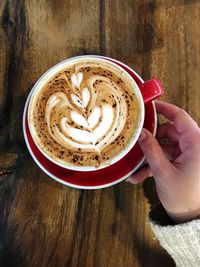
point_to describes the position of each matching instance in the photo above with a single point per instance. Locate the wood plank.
(44, 223)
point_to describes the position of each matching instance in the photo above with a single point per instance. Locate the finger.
(182, 121)
(158, 163)
(140, 175)
(167, 130)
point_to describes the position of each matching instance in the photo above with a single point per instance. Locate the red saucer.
(100, 178)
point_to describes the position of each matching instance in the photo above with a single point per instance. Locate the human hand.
(175, 165)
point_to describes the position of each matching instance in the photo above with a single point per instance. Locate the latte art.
(84, 115)
(81, 122)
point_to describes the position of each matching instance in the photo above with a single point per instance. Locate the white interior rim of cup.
(61, 65)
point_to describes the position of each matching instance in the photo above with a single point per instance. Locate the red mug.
(145, 93)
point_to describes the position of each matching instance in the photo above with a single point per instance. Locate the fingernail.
(142, 136)
(131, 180)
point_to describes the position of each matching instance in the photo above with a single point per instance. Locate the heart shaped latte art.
(90, 116)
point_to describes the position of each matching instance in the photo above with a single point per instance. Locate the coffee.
(84, 114)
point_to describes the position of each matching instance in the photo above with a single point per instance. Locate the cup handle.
(150, 90)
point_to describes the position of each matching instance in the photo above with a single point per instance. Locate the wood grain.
(43, 223)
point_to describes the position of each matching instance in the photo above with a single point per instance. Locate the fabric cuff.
(182, 241)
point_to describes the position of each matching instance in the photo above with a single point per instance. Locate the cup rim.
(61, 65)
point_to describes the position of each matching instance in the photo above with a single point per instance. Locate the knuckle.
(182, 112)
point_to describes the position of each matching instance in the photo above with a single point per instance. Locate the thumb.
(156, 159)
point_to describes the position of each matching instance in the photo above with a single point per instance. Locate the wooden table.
(43, 223)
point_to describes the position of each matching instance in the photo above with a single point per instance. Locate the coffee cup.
(87, 112)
